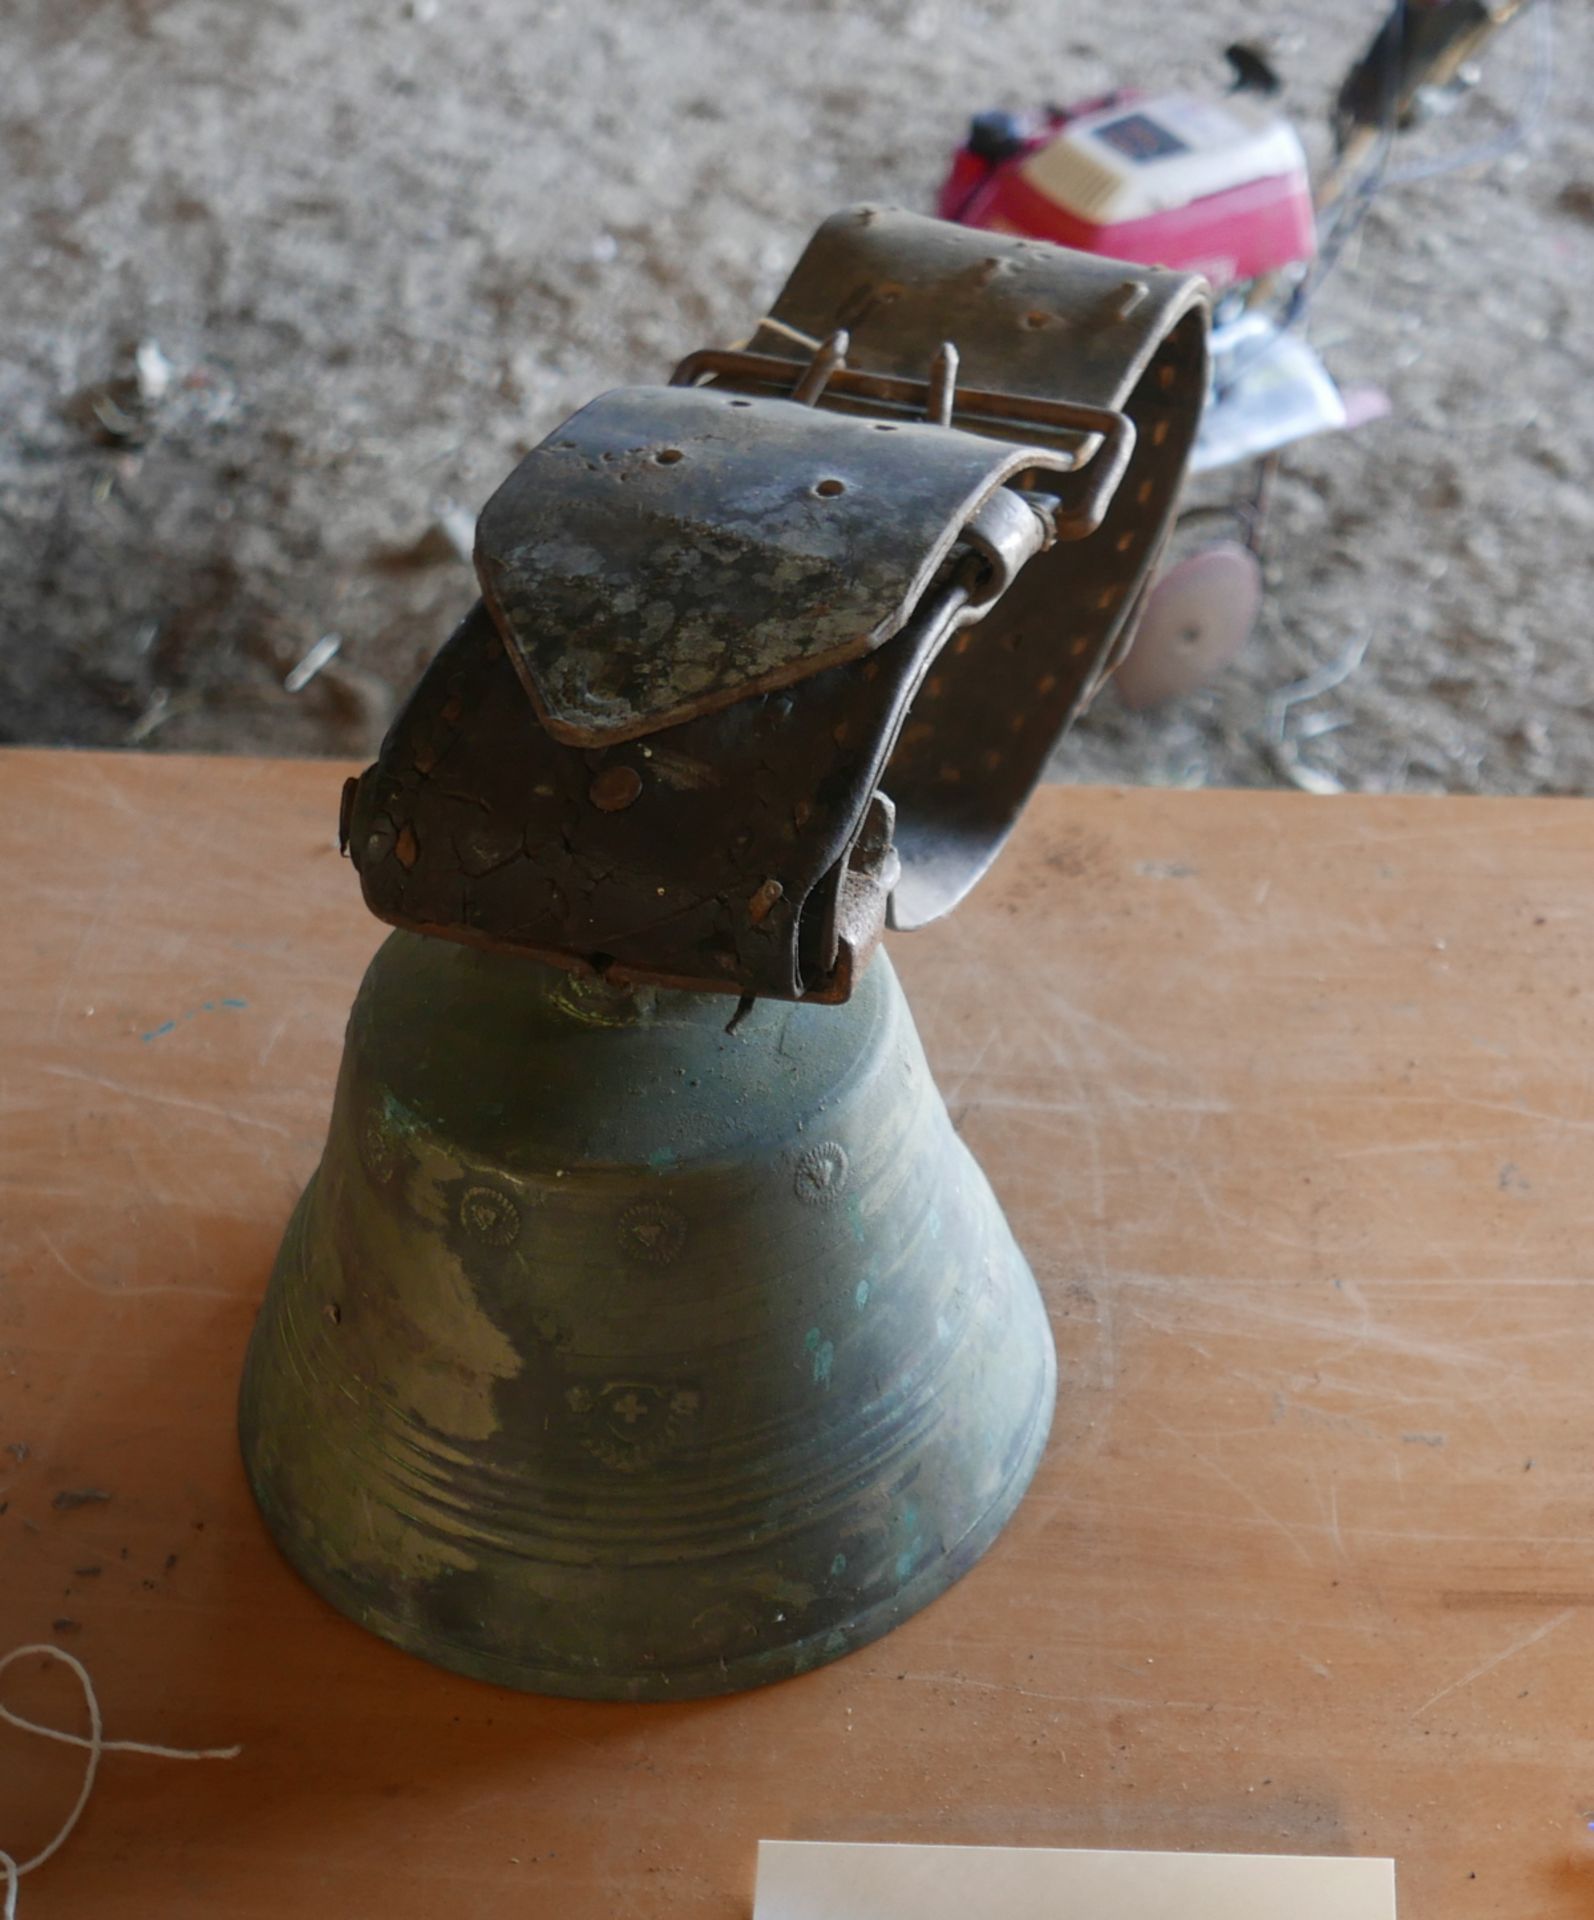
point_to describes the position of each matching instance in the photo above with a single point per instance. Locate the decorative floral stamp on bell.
(654, 1231)
(489, 1216)
(630, 1424)
(822, 1173)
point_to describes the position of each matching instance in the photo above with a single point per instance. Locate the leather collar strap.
(780, 649)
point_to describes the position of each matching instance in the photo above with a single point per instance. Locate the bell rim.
(766, 1666)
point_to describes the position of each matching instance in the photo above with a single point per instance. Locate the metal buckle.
(1105, 439)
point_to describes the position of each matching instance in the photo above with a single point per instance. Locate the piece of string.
(94, 1746)
(770, 324)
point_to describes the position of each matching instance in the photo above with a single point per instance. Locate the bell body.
(610, 1354)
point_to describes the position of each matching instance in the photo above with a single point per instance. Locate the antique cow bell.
(646, 1331)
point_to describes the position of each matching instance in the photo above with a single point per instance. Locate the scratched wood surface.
(1290, 1102)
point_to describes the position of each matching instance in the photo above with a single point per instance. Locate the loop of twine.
(770, 324)
(95, 1745)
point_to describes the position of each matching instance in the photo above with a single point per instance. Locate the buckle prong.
(943, 385)
(830, 357)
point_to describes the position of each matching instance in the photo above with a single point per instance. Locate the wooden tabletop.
(1291, 1103)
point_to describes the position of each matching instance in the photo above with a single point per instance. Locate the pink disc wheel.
(1197, 617)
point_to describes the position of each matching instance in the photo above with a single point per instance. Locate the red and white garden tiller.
(1220, 184)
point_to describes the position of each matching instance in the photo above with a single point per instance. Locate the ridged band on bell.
(609, 1354)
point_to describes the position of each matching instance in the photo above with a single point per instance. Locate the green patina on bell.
(611, 1354)
(620, 1348)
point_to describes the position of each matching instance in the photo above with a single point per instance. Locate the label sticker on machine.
(814, 1880)
(1140, 138)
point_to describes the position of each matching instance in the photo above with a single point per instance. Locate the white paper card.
(815, 1880)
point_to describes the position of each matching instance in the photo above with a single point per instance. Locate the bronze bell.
(612, 1354)
(646, 1331)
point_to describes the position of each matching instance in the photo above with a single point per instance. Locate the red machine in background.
(1220, 185)
(1217, 186)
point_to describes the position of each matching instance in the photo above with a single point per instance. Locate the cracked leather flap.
(671, 550)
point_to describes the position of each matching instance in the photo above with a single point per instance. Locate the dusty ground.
(383, 248)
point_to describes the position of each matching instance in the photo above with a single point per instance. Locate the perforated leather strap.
(770, 651)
